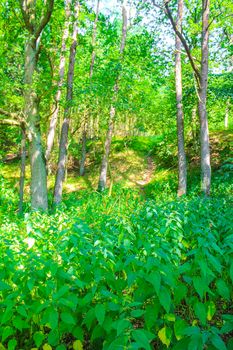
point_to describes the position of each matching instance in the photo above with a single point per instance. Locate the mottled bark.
(93, 55)
(62, 159)
(54, 117)
(204, 130)
(39, 195)
(22, 168)
(182, 173)
(107, 145)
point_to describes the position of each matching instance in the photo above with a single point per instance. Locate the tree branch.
(45, 18)
(184, 43)
(10, 122)
(26, 17)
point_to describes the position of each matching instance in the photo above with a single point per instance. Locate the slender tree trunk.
(84, 150)
(204, 131)
(226, 119)
(61, 168)
(22, 168)
(93, 55)
(54, 117)
(182, 175)
(39, 196)
(107, 146)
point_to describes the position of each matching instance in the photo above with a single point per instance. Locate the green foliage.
(141, 274)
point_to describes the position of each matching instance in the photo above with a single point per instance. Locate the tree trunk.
(61, 168)
(182, 174)
(84, 150)
(204, 131)
(35, 26)
(107, 146)
(22, 169)
(84, 135)
(39, 196)
(226, 119)
(53, 120)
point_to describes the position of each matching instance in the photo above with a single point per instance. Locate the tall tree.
(62, 159)
(108, 140)
(202, 97)
(54, 117)
(182, 174)
(201, 76)
(35, 26)
(93, 55)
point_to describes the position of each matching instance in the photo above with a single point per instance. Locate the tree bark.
(22, 169)
(226, 119)
(39, 194)
(61, 168)
(93, 55)
(201, 77)
(182, 173)
(107, 146)
(53, 120)
(204, 130)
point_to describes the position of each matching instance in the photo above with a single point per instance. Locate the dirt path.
(148, 173)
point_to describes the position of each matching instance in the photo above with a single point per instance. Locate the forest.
(116, 174)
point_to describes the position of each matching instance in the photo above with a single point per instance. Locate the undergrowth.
(126, 271)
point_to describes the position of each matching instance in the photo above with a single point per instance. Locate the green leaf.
(217, 342)
(12, 344)
(140, 337)
(67, 318)
(53, 319)
(200, 312)
(121, 325)
(211, 309)
(223, 289)
(53, 337)
(137, 313)
(165, 298)
(61, 347)
(179, 328)
(199, 285)
(231, 271)
(155, 279)
(38, 337)
(196, 342)
(165, 335)
(78, 333)
(100, 313)
(7, 331)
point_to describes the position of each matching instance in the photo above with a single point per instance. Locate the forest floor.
(134, 163)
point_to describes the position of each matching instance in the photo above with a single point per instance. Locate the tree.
(53, 120)
(201, 76)
(39, 195)
(93, 55)
(182, 174)
(107, 145)
(61, 167)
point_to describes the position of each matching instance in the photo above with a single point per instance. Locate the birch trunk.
(53, 120)
(204, 131)
(182, 173)
(107, 146)
(61, 168)
(84, 134)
